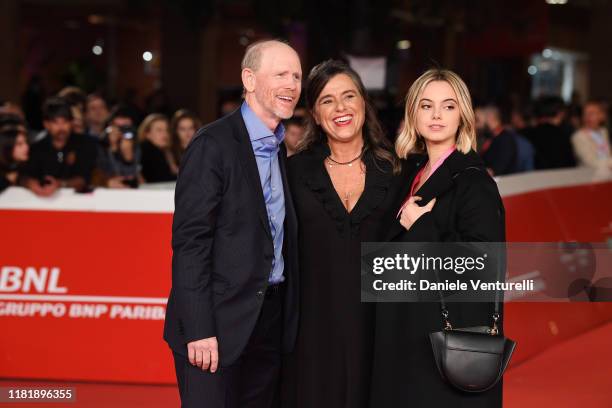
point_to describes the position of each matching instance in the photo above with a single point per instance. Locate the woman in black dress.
(447, 197)
(341, 181)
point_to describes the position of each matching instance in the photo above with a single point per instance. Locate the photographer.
(119, 158)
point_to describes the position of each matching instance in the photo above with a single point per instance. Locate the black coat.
(468, 209)
(222, 244)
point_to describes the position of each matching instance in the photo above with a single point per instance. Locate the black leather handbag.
(471, 359)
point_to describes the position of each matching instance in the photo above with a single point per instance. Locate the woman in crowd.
(14, 151)
(591, 142)
(183, 127)
(340, 182)
(448, 197)
(158, 164)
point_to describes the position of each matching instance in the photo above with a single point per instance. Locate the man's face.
(78, 125)
(276, 85)
(59, 129)
(593, 116)
(480, 117)
(96, 111)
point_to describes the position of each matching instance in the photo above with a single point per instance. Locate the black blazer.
(222, 244)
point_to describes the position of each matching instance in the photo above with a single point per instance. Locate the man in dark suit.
(232, 309)
(500, 150)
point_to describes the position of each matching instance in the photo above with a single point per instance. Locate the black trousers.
(251, 382)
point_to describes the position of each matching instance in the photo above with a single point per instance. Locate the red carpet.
(574, 373)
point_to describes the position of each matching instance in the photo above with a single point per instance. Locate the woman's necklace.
(349, 163)
(347, 184)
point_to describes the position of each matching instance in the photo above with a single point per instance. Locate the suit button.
(260, 293)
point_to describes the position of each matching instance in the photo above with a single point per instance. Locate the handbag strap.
(444, 310)
(496, 315)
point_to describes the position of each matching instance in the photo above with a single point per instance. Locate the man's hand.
(204, 354)
(52, 184)
(116, 182)
(412, 211)
(43, 190)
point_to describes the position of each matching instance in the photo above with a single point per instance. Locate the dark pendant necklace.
(349, 163)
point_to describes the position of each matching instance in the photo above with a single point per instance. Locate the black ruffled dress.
(331, 363)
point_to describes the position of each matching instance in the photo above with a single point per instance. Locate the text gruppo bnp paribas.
(39, 292)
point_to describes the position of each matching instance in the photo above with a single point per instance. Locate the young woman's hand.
(412, 211)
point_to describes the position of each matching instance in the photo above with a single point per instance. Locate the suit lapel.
(290, 216)
(249, 164)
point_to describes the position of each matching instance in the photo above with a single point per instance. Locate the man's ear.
(248, 79)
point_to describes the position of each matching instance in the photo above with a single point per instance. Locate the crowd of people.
(85, 145)
(552, 136)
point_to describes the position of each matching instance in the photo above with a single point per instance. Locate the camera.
(127, 132)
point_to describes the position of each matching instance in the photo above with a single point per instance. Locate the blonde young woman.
(447, 196)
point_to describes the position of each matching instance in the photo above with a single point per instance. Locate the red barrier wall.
(120, 263)
(98, 254)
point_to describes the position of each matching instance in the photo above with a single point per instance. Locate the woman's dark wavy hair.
(179, 115)
(8, 138)
(373, 135)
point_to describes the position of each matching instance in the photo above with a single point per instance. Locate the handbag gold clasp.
(494, 331)
(447, 325)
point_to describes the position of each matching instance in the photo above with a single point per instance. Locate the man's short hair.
(596, 102)
(74, 96)
(93, 96)
(252, 55)
(119, 111)
(294, 121)
(548, 107)
(56, 107)
(10, 120)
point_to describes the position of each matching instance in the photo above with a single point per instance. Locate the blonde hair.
(147, 123)
(409, 141)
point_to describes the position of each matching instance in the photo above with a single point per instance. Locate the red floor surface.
(92, 395)
(574, 373)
